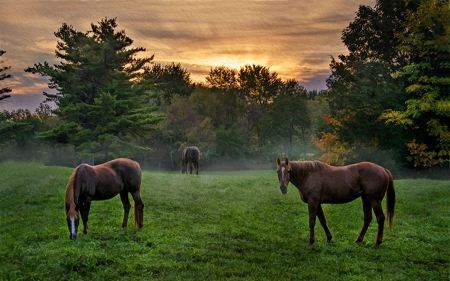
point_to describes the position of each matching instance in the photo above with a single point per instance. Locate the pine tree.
(3, 76)
(100, 93)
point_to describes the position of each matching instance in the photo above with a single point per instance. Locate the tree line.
(387, 101)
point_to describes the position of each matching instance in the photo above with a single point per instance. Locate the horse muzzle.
(73, 228)
(283, 189)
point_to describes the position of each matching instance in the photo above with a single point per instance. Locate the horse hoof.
(376, 246)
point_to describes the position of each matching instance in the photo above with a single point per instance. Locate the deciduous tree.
(427, 81)
(170, 79)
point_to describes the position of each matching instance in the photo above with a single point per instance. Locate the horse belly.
(103, 192)
(341, 195)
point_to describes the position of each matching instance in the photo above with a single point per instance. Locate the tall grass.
(215, 226)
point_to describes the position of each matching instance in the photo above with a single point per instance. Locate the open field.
(215, 226)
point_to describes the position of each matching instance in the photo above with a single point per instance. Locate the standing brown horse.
(320, 183)
(191, 157)
(101, 182)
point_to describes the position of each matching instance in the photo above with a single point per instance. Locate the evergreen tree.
(3, 76)
(101, 95)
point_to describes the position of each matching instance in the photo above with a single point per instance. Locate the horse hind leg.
(126, 206)
(323, 222)
(367, 208)
(378, 210)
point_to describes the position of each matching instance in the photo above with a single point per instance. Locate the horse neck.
(70, 200)
(75, 185)
(300, 171)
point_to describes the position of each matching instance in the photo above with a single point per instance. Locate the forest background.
(387, 101)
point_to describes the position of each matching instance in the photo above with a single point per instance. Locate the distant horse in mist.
(190, 157)
(320, 183)
(101, 182)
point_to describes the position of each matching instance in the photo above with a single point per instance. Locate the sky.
(295, 38)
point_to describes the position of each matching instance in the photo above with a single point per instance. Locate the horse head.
(284, 172)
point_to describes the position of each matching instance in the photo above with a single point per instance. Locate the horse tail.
(390, 200)
(138, 213)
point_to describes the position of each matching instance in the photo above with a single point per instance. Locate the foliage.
(427, 79)
(217, 226)
(336, 151)
(3, 76)
(223, 83)
(16, 127)
(395, 74)
(100, 93)
(229, 143)
(171, 79)
(287, 119)
(258, 87)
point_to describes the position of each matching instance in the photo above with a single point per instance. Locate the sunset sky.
(294, 38)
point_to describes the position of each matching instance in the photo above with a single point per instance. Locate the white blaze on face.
(282, 174)
(72, 227)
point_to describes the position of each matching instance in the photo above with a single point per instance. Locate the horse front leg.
(312, 209)
(323, 222)
(126, 206)
(84, 210)
(367, 208)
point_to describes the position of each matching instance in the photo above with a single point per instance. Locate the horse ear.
(278, 161)
(286, 161)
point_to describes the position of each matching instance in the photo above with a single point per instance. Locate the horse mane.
(70, 194)
(73, 190)
(301, 169)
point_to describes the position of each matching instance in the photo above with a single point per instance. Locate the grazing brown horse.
(101, 182)
(320, 183)
(190, 157)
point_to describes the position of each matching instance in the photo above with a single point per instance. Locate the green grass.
(215, 226)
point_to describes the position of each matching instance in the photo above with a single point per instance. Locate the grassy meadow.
(215, 226)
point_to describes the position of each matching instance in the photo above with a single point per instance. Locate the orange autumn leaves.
(336, 151)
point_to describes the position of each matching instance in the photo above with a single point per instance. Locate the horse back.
(127, 171)
(191, 154)
(104, 181)
(341, 184)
